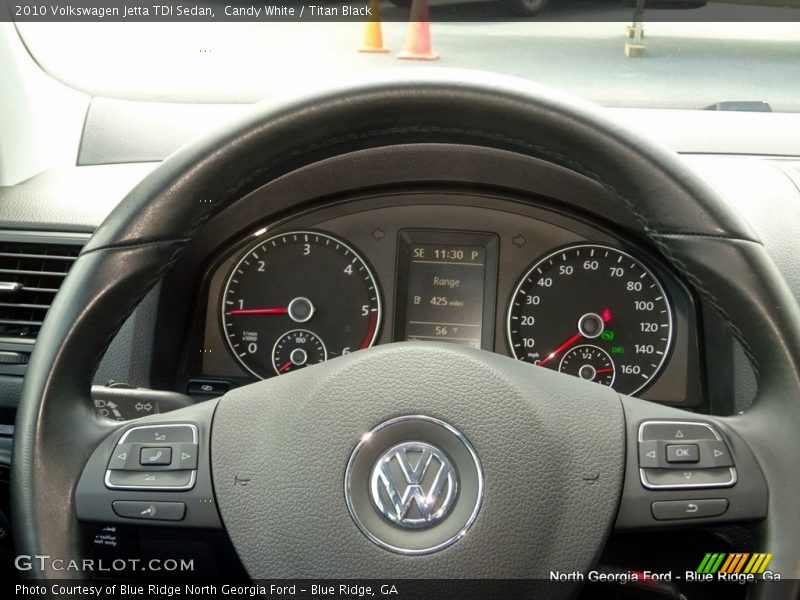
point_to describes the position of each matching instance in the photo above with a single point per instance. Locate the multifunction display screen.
(446, 287)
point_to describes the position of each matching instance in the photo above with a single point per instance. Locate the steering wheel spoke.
(684, 469)
(154, 471)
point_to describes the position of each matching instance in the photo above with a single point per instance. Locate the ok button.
(683, 453)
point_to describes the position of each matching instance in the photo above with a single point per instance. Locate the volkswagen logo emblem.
(414, 485)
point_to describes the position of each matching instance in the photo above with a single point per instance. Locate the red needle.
(285, 367)
(259, 311)
(606, 370)
(373, 322)
(571, 340)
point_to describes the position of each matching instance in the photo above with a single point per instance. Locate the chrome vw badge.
(414, 485)
(412, 496)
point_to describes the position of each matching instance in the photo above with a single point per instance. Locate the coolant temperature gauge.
(297, 349)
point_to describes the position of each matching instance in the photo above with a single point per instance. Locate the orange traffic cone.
(373, 37)
(418, 41)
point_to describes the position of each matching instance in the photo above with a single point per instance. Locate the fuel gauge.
(590, 363)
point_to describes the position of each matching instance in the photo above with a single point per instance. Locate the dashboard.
(423, 244)
(550, 288)
(515, 213)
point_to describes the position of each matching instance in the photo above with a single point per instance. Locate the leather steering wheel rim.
(704, 239)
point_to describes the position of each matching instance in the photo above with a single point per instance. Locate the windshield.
(690, 64)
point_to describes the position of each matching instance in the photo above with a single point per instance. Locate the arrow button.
(648, 454)
(683, 430)
(718, 451)
(119, 460)
(187, 456)
(696, 478)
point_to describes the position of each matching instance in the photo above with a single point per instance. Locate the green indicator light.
(617, 350)
(607, 335)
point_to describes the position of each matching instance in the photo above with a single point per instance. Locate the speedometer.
(296, 299)
(594, 312)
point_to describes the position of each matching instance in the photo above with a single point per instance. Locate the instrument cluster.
(542, 287)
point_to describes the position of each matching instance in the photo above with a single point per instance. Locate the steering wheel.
(531, 469)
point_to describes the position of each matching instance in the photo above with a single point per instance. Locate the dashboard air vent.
(30, 275)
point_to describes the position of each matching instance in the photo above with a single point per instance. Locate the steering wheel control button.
(676, 431)
(155, 456)
(688, 478)
(186, 456)
(414, 485)
(683, 453)
(151, 511)
(147, 480)
(704, 454)
(120, 457)
(718, 454)
(144, 457)
(150, 457)
(161, 434)
(671, 510)
(648, 454)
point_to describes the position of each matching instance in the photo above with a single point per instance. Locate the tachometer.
(298, 298)
(594, 312)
